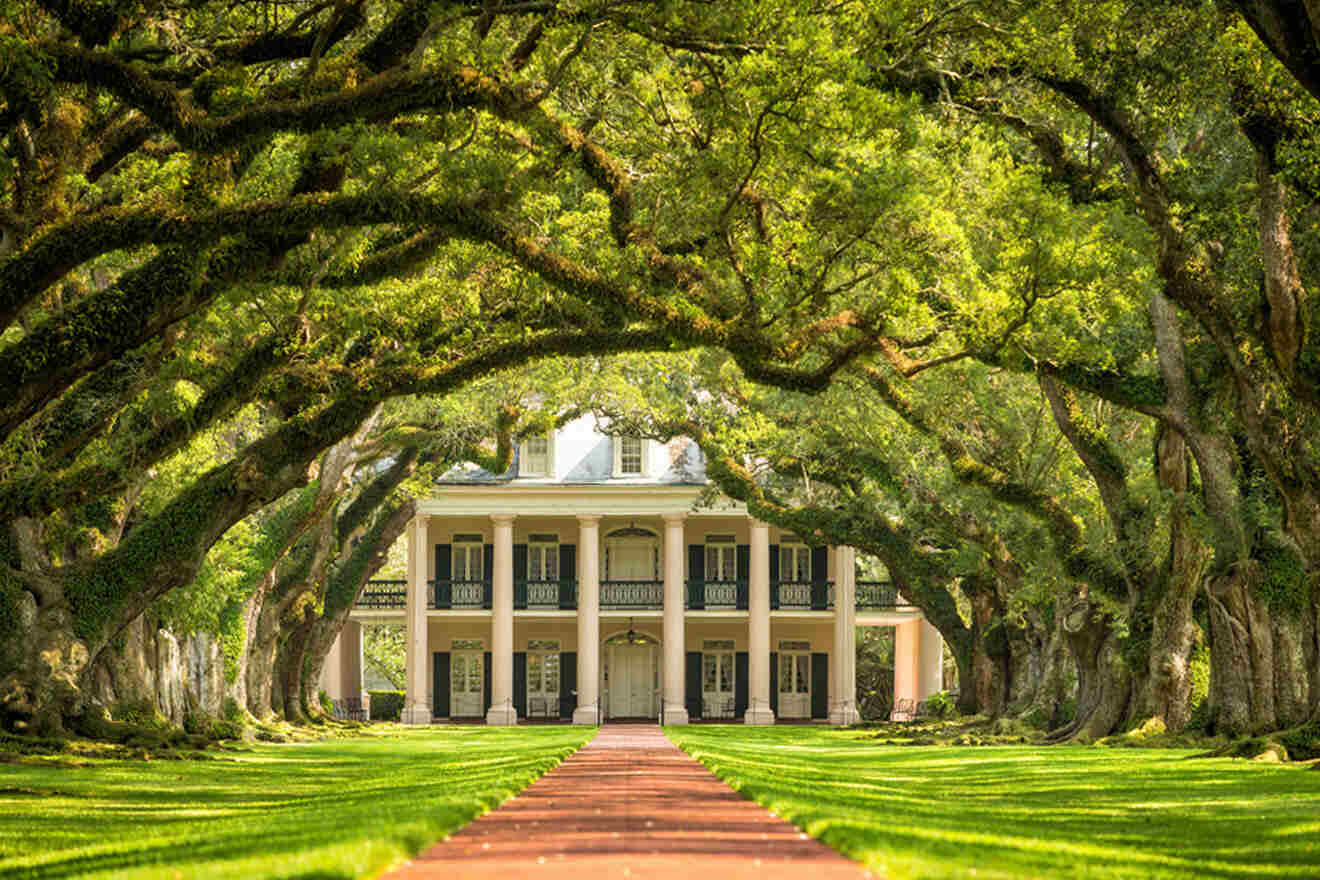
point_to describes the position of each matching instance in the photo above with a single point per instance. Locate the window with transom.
(721, 558)
(794, 561)
(467, 558)
(543, 557)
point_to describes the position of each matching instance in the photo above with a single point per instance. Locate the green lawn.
(337, 808)
(1023, 811)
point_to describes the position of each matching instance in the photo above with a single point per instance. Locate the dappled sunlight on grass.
(1023, 811)
(339, 808)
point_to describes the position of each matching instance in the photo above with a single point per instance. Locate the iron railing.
(717, 595)
(879, 595)
(802, 595)
(632, 594)
(563, 595)
(383, 594)
(459, 594)
(545, 595)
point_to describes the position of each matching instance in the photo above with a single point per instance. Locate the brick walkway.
(630, 804)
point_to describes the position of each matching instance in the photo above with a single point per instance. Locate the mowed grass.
(337, 808)
(1023, 811)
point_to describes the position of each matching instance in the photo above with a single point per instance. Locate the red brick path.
(630, 804)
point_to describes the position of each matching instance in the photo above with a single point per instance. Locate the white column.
(843, 677)
(931, 674)
(415, 707)
(851, 715)
(907, 645)
(588, 653)
(758, 627)
(501, 709)
(675, 702)
(350, 658)
(332, 670)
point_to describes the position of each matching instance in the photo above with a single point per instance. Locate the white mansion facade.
(592, 583)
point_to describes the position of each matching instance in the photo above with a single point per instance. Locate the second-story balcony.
(802, 595)
(641, 595)
(460, 595)
(562, 595)
(717, 595)
(558, 595)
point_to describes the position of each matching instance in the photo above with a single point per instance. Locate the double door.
(794, 684)
(466, 676)
(633, 672)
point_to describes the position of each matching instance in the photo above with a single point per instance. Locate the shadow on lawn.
(1046, 811)
(283, 804)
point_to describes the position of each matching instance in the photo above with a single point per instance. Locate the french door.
(466, 676)
(794, 684)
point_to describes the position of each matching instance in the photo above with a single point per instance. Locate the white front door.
(632, 681)
(794, 685)
(465, 679)
(717, 684)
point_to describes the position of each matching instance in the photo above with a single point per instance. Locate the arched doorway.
(630, 675)
(632, 554)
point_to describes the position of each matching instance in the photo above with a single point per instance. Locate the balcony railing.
(632, 594)
(802, 595)
(460, 594)
(384, 595)
(545, 595)
(879, 595)
(717, 595)
(380, 595)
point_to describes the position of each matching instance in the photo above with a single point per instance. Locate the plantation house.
(596, 580)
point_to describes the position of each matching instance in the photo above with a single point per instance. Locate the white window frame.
(530, 467)
(793, 551)
(543, 558)
(722, 549)
(472, 554)
(542, 700)
(643, 454)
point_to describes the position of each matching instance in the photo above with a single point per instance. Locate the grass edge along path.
(1005, 812)
(338, 808)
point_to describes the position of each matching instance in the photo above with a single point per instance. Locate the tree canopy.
(1045, 262)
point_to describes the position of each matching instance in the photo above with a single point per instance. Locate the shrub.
(386, 705)
(327, 704)
(940, 705)
(1302, 743)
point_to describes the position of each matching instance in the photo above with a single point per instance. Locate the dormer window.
(535, 459)
(629, 456)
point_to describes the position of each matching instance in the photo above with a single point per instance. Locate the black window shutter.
(820, 563)
(485, 680)
(567, 577)
(820, 585)
(820, 685)
(696, 576)
(567, 681)
(774, 682)
(443, 595)
(440, 677)
(743, 555)
(692, 681)
(774, 576)
(520, 683)
(487, 574)
(519, 575)
(740, 673)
